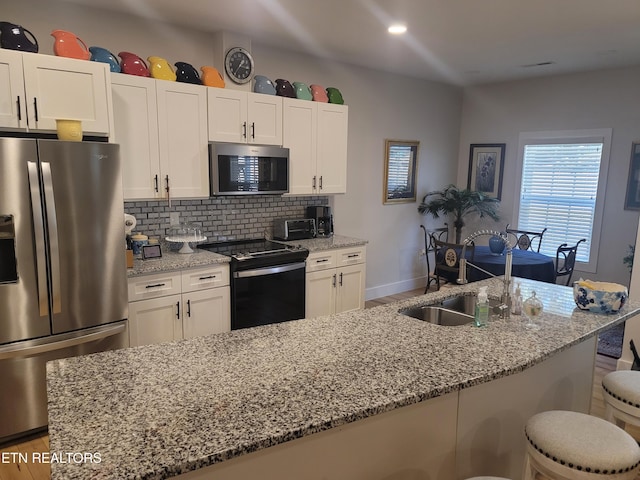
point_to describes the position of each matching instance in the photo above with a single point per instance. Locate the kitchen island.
(365, 394)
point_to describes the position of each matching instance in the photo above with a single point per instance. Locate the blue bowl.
(599, 297)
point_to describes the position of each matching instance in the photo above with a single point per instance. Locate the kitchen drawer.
(196, 279)
(322, 260)
(153, 286)
(351, 256)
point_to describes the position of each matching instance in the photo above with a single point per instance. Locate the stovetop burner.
(257, 252)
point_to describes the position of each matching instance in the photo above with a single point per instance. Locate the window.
(563, 178)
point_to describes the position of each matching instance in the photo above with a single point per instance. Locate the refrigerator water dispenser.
(8, 269)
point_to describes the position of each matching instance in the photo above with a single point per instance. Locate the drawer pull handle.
(322, 260)
(353, 255)
(155, 285)
(208, 277)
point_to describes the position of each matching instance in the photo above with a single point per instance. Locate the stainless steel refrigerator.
(63, 285)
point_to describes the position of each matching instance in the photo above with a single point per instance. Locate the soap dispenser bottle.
(516, 306)
(481, 316)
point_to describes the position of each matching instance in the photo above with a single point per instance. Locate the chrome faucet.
(505, 299)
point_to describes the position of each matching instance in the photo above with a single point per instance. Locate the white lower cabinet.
(177, 305)
(335, 281)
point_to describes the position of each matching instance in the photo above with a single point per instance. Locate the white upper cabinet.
(333, 125)
(184, 147)
(244, 117)
(12, 99)
(316, 134)
(135, 118)
(161, 127)
(35, 90)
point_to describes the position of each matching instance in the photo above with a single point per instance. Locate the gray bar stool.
(621, 394)
(488, 478)
(576, 446)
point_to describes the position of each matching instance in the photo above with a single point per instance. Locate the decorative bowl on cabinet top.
(132, 64)
(161, 69)
(186, 73)
(211, 77)
(284, 88)
(13, 37)
(263, 85)
(302, 91)
(68, 44)
(319, 94)
(335, 96)
(99, 54)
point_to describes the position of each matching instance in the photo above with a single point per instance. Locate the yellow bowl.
(69, 130)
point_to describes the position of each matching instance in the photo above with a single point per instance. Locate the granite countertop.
(161, 410)
(172, 260)
(335, 241)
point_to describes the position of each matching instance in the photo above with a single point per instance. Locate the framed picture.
(486, 165)
(632, 200)
(400, 165)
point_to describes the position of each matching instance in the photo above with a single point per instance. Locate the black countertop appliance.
(323, 218)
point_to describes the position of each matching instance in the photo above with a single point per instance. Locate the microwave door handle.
(54, 246)
(38, 234)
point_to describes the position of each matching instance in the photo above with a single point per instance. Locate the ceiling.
(462, 42)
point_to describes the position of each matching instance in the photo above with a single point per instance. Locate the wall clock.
(238, 64)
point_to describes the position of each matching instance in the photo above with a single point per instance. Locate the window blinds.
(559, 189)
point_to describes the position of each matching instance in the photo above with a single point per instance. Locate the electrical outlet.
(174, 218)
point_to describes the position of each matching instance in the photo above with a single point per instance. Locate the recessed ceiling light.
(397, 29)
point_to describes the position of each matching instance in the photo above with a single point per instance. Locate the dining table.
(526, 264)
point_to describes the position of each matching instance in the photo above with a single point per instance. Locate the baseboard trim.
(393, 288)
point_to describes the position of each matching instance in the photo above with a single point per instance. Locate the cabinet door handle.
(35, 107)
(334, 279)
(166, 178)
(178, 310)
(155, 182)
(155, 285)
(244, 130)
(19, 109)
(188, 308)
(314, 182)
(320, 182)
(253, 129)
(340, 278)
(208, 277)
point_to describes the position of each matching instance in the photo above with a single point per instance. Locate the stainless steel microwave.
(240, 169)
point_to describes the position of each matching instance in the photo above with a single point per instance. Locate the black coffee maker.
(324, 220)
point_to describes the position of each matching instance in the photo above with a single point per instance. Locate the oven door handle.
(259, 272)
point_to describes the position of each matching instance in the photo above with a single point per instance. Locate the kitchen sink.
(450, 312)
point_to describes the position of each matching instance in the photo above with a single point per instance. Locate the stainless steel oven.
(267, 281)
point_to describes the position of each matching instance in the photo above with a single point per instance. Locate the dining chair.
(447, 260)
(525, 240)
(442, 234)
(566, 260)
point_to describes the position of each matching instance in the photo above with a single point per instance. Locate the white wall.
(381, 106)
(498, 113)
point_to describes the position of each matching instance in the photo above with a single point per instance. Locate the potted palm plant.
(459, 203)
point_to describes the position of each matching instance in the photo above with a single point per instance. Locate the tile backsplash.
(221, 218)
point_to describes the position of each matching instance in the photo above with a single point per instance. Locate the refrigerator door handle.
(54, 247)
(36, 347)
(38, 230)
